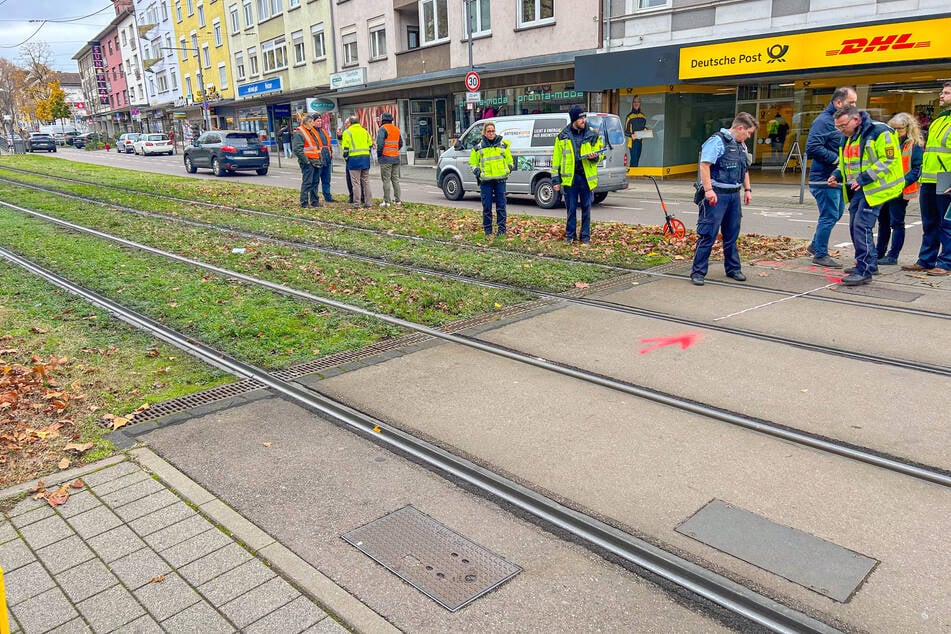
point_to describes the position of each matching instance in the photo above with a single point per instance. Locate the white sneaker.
(398, 203)
(384, 204)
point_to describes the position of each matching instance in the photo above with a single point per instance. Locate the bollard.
(4, 615)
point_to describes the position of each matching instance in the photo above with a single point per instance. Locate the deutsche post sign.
(851, 47)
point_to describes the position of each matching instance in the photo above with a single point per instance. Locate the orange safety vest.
(391, 145)
(312, 143)
(912, 190)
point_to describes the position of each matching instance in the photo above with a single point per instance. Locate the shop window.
(377, 42)
(434, 19)
(536, 12)
(317, 37)
(480, 22)
(350, 57)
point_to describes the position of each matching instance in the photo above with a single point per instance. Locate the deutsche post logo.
(777, 53)
(878, 43)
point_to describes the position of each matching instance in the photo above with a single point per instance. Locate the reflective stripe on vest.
(906, 150)
(887, 176)
(312, 144)
(937, 156)
(391, 145)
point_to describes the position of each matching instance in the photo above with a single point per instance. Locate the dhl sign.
(854, 46)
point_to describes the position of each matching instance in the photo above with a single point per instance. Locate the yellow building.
(203, 57)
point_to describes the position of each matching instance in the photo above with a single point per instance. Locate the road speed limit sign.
(472, 81)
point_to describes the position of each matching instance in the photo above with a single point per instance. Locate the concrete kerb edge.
(311, 581)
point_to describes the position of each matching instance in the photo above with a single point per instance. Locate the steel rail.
(584, 301)
(716, 413)
(704, 583)
(620, 269)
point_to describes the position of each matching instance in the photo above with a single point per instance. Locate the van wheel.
(599, 197)
(452, 187)
(545, 195)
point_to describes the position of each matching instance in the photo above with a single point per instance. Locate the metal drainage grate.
(878, 292)
(431, 557)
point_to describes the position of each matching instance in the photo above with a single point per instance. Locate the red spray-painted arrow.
(685, 341)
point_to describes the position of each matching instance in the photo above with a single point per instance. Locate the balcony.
(426, 59)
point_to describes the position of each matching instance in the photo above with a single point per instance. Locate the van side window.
(473, 136)
(610, 126)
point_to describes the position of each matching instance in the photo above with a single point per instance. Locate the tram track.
(810, 296)
(571, 299)
(775, 430)
(595, 533)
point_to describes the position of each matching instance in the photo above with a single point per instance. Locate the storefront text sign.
(355, 77)
(259, 87)
(851, 47)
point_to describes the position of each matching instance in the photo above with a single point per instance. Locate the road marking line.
(821, 288)
(842, 244)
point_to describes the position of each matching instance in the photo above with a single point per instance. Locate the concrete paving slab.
(122, 482)
(214, 565)
(142, 625)
(157, 520)
(295, 616)
(76, 626)
(164, 599)
(108, 474)
(200, 617)
(236, 582)
(177, 533)
(139, 568)
(110, 609)
(30, 513)
(64, 554)
(259, 602)
(79, 503)
(15, 554)
(195, 547)
(7, 532)
(146, 505)
(45, 532)
(86, 580)
(27, 582)
(131, 493)
(44, 611)
(115, 544)
(94, 522)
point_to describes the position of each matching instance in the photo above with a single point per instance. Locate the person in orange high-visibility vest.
(306, 146)
(891, 219)
(388, 144)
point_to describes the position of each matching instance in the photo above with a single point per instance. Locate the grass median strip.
(491, 264)
(423, 299)
(65, 364)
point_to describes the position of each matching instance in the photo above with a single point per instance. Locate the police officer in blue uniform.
(724, 175)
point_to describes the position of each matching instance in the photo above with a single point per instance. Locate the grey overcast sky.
(64, 33)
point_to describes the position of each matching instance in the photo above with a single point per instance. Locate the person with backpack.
(724, 172)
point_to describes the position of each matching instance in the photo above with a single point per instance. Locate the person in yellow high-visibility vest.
(491, 162)
(356, 144)
(870, 171)
(574, 163)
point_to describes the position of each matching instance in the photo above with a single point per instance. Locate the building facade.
(695, 65)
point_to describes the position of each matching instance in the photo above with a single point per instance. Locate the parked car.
(227, 151)
(532, 138)
(83, 139)
(125, 141)
(40, 141)
(152, 143)
(70, 137)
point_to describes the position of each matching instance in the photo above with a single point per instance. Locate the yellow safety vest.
(563, 159)
(357, 140)
(493, 160)
(880, 160)
(937, 157)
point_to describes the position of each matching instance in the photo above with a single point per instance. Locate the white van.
(532, 139)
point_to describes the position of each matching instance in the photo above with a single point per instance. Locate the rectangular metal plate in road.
(878, 292)
(802, 558)
(431, 557)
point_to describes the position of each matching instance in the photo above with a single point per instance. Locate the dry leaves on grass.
(35, 427)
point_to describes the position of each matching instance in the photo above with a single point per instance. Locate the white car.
(152, 143)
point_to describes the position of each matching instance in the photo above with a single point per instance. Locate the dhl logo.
(878, 43)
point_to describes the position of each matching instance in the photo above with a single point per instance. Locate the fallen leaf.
(64, 463)
(119, 421)
(79, 447)
(266, 444)
(158, 579)
(77, 484)
(581, 285)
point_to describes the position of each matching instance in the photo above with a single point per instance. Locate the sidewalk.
(142, 548)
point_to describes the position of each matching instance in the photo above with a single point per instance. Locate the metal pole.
(469, 29)
(204, 98)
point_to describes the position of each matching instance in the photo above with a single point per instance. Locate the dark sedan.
(40, 141)
(227, 151)
(83, 140)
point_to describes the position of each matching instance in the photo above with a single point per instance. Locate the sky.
(62, 31)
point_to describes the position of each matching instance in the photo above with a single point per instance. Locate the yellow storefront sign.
(841, 48)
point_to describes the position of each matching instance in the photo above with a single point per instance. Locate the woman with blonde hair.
(891, 218)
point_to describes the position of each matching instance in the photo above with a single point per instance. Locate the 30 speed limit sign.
(473, 82)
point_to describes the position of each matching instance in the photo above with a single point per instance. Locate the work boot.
(827, 262)
(856, 280)
(913, 267)
(888, 260)
(696, 279)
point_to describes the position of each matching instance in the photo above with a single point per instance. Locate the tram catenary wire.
(540, 256)
(702, 582)
(768, 428)
(584, 301)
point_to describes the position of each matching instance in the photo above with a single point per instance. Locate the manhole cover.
(879, 292)
(432, 557)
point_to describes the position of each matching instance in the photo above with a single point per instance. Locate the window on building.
(239, 65)
(125, 42)
(479, 21)
(125, 96)
(378, 42)
(131, 93)
(297, 40)
(174, 80)
(164, 11)
(269, 8)
(216, 29)
(535, 12)
(222, 76)
(248, 13)
(184, 52)
(412, 37)
(253, 61)
(235, 20)
(188, 87)
(293, 3)
(194, 44)
(274, 54)
(350, 56)
(434, 20)
(162, 82)
(205, 56)
(178, 10)
(201, 14)
(190, 7)
(652, 4)
(317, 36)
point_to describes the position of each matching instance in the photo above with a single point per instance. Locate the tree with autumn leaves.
(31, 91)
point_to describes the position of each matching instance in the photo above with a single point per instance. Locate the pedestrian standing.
(356, 145)
(870, 172)
(306, 147)
(822, 146)
(322, 177)
(578, 149)
(635, 122)
(935, 254)
(388, 144)
(286, 139)
(891, 219)
(491, 162)
(724, 172)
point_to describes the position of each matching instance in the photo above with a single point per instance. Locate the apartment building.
(103, 79)
(157, 44)
(695, 64)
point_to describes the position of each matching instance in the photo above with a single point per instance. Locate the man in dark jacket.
(305, 144)
(822, 146)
